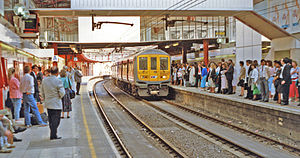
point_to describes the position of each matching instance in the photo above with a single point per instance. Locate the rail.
(169, 147)
(122, 149)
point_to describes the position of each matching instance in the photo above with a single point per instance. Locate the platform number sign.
(75, 59)
(55, 58)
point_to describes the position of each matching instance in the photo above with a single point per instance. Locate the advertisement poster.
(285, 14)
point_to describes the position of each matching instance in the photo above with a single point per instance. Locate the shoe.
(4, 150)
(9, 146)
(77, 94)
(261, 101)
(68, 116)
(19, 129)
(28, 126)
(266, 101)
(43, 124)
(298, 105)
(62, 117)
(55, 138)
(282, 103)
(16, 139)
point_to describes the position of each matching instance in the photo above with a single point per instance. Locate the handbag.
(71, 91)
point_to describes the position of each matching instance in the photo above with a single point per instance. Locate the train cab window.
(153, 63)
(143, 63)
(164, 64)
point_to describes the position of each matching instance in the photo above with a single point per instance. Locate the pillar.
(205, 51)
(183, 51)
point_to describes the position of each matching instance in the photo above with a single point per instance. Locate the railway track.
(254, 135)
(112, 132)
(172, 150)
(248, 152)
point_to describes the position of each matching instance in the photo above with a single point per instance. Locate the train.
(145, 74)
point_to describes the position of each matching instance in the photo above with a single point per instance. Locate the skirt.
(66, 101)
(211, 83)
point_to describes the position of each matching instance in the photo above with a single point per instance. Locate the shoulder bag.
(71, 91)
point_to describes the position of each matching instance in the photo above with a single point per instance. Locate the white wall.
(248, 43)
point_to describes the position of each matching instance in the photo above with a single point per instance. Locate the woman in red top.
(15, 93)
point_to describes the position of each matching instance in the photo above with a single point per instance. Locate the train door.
(153, 68)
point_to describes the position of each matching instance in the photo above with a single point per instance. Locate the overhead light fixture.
(175, 44)
(268, 46)
(167, 46)
(21, 10)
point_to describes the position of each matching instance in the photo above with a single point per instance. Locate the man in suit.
(229, 76)
(78, 76)
(286, 80)
(52, 92)
(196, 74)
(264, 75)
(33, 73)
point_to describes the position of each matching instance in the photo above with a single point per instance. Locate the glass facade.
(59, 29)
(187, 27)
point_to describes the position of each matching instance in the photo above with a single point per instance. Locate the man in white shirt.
(264, 75)
(27, 88)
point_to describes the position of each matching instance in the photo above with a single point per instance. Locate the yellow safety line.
(87, 131)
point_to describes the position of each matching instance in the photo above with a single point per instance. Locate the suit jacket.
(286, 74)
(78, 76)
(229, 73)
(36, 86)
(196, 71)
(52, 91)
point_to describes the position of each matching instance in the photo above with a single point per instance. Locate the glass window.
(164, 64)
(143, 63)
(153, 63)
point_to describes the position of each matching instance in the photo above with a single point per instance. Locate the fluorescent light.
(175, 44)
(167, 46)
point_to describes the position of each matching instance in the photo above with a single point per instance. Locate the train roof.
(145, 52)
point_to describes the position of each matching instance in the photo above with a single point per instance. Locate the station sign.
(55, 58)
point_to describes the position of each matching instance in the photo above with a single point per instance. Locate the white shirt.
(247, 68)
(27, 84)
(254, 75)
(282, 68)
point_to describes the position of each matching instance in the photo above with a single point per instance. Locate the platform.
(83, 135)
(270, 117)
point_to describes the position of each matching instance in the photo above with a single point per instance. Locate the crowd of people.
(53, 89)
(277, 80)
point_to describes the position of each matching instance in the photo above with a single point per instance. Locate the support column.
(183, 51)
(205, 51)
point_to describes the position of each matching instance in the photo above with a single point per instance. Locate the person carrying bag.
(66, 100)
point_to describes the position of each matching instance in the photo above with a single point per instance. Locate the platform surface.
(83, 135)
(292, 108)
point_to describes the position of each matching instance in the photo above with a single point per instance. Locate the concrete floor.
(84, 124)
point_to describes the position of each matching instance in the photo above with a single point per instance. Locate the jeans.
(29, 102)
(17, 107)
(54, 120)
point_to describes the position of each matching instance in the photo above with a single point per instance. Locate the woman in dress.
(192, 78)
(212, 77)
(224, 86)
(66, 100)
(270, 80)
(15, 93)
(253, 81)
